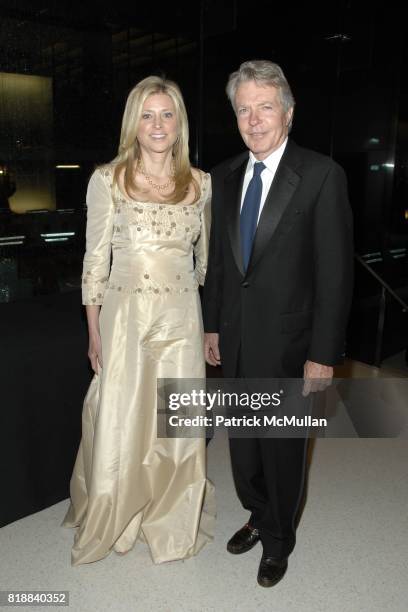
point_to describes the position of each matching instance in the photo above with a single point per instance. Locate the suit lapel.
(283, 187)
(233, 190)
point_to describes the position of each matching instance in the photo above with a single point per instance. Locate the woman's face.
(158, 126)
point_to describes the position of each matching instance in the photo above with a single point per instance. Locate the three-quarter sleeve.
(99, 229)
(201, 246)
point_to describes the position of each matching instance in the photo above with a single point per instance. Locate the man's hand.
(211, 350)
(316, 376)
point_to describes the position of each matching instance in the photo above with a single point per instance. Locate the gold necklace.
(158, 187)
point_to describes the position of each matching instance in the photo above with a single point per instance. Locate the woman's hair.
(129, 149)
(263, 72)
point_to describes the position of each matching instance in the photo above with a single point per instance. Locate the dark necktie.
(250, 211)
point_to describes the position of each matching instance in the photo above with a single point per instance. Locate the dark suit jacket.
(293, 302)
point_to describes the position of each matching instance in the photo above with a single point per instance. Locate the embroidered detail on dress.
(150, 289)
(158, 220)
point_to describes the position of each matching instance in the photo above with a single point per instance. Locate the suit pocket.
(295, 321)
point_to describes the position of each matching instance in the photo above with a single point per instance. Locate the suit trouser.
(269, 476)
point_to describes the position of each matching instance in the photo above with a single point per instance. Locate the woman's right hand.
(95, 351)
(95, 344)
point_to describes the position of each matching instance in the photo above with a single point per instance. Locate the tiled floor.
(351, 553)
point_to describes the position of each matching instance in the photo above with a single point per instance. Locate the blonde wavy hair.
(129, 148)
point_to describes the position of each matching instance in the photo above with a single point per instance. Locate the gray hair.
(262, 72)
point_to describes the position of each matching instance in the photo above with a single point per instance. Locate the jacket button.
(245, 284)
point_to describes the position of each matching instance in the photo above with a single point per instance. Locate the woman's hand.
(95, 351)
(95, 344)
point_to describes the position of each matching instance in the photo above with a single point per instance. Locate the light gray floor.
(351, 553)
(396, 361)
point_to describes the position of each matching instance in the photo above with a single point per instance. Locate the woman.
(152, 210)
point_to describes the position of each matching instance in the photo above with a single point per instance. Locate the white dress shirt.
(271, 162)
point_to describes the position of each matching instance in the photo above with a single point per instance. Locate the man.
(277, 292)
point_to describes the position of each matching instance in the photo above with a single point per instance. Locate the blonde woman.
(151, 210)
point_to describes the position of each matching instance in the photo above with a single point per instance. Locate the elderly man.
(277, 292)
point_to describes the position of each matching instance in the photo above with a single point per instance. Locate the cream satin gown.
(127, 483)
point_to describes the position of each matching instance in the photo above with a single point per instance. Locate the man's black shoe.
(271, 570)
(243, 540)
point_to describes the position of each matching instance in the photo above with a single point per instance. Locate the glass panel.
(64, 80)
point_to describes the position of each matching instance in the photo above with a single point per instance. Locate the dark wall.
(44, 376)
(346, 63)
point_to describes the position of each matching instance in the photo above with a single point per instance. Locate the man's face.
(262, 122)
